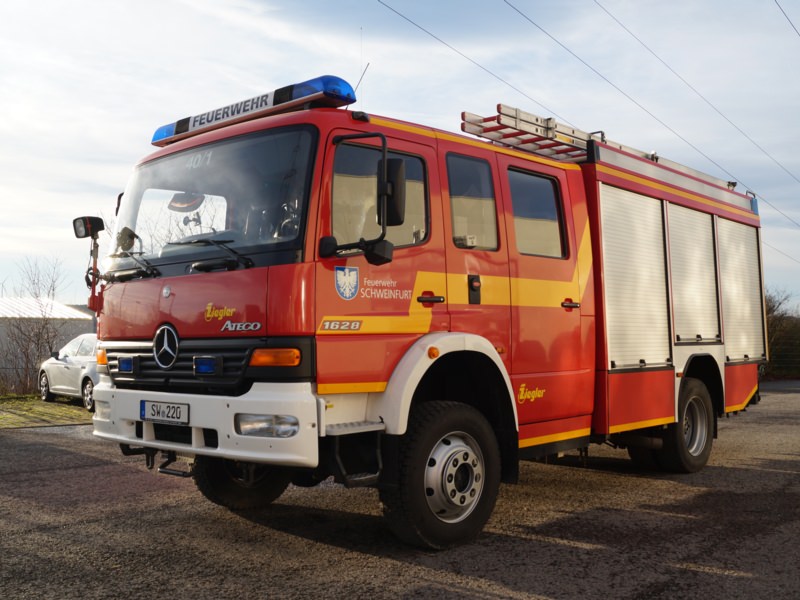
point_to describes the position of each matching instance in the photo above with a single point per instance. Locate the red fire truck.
(296, 291)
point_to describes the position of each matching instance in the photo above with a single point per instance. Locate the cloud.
(86, 84)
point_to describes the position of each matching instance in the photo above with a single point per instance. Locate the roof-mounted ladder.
(526, 131)
(549, 138)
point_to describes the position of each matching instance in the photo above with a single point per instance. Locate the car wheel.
(44, 388)
(87, 392)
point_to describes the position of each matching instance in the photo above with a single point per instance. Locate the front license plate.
(164, 412)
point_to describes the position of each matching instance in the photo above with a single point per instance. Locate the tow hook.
(149, 454)
(169, 457)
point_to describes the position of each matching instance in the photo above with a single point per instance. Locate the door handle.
(568, 303)
(431, 299)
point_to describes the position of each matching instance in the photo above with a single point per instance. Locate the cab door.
(551, 362)
(477, 259)
(368, 315)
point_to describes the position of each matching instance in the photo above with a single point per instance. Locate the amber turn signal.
(275, 357)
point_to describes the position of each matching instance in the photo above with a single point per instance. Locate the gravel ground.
(79, 520)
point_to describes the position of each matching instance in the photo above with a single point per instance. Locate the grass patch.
(30, 411)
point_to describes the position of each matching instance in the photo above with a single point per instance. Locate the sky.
(711, 84)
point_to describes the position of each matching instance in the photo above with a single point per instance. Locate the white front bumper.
(118, 412)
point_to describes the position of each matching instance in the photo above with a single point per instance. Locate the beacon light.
(327, 91)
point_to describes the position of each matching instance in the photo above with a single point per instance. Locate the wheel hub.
(454, 477)
(694, 427)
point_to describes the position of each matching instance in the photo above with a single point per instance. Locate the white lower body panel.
(118, 412)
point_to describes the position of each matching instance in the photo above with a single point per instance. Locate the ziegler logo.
(247, 326)
(215, 312)
(525, 394)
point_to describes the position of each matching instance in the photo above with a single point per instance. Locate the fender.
(392, 406)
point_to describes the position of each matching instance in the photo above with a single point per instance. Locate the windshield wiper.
(145, 268)
(245, 261)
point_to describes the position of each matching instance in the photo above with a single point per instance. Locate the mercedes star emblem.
(165, 346)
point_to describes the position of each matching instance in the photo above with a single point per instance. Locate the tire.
(448, 477)
(644, 458)
(687, 443)
(44, 388)
(87, 393)
(238, 485)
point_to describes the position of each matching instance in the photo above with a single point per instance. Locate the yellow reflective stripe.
(494, 290)
(351, 388)
(555, 437)
(641, 424)
(743, 405)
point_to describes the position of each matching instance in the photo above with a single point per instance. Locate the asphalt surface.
(79, 520)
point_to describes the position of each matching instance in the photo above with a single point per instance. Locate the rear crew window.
(472, 204)
(538, 222)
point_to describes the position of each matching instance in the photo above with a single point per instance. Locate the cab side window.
(355, 197)
(472, 204)
(538, 221)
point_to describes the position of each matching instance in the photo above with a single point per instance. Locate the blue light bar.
(322, 91)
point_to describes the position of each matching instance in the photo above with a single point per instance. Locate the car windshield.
(232, 197)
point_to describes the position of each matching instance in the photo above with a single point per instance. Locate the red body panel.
(197, 305)
(638, 400)
(741, 384)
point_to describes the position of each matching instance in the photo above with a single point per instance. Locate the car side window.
(472, 203)
(87, 347)
(538, 222)
(70, 349)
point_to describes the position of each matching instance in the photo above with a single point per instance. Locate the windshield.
(235, 197)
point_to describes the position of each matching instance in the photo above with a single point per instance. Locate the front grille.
(232, 355)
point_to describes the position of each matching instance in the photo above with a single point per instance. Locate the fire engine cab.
(296, 291)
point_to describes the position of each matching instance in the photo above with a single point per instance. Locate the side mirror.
(328, 246)
(88, 226)
(395, 189)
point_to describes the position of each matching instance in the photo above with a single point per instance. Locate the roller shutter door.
(635, 283)
(740, 274)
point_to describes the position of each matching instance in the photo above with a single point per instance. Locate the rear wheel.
(687, 443)
(448, 476)
(239, 485)
(87, 393)
(644, 458)
(44, 388)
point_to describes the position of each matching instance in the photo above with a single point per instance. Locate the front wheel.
(448, 476)
(687, 443)
(44, 388)
(238, 485)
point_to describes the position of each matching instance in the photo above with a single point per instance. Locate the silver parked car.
(72, 371)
